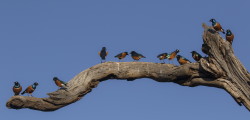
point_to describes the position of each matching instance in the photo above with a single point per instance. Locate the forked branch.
(220, 69)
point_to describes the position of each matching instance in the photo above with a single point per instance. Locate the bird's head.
(36, 84)
(228, 32)
(16, 83)
(212, 20)
(177, 50)
(193, 52)
(132, 52)
(178, 56)
(126, 53)
(55, 78)
(103, 48)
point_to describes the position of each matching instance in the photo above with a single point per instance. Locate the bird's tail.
(22, 92)
(116, 56)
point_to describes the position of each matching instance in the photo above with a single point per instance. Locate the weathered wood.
(220, 69)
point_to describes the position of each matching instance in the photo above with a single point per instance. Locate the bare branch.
(220, 69)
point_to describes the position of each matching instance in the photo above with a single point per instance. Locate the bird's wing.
(63, 82)
(159, 55)
(118, 55)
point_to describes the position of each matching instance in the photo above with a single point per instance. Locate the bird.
(30, 89)
(205, 49)
(196, 56)
(163, 56)
(136, 56)
(217, 26)
(173, 54)
(182, 60)
(229, 36)
(17, 88)
(60, 83)
(103, 53)
(121, 55)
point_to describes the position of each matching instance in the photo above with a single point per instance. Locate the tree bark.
(220, 69)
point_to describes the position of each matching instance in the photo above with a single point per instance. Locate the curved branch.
(220, 69)
(83, 83)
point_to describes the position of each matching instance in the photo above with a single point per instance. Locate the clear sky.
(47, 38)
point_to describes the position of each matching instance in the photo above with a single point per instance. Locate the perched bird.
(217, 26)
(17, 88)
(30, 89)
(205, 49)
(103, 53)
(229, 36)
(136, 56)
(182, 60)
(121, 55)
(196, 56)
(173, 54)
(60, 83)
(163, 56)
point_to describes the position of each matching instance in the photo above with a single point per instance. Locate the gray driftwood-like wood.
(220, 69)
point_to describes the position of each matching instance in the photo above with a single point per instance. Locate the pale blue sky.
(43, 39)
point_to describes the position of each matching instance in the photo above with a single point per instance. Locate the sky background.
(43, 39)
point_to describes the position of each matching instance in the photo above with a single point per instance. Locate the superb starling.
(196, 56)
(229, 36)
(60, 83)
(182, 60)
(30, 89)
(173, 54)
(136, 56)
(217, 26)
(163, 56)
(121, 55)
(17, 88)
(103, 53)
(205, 48)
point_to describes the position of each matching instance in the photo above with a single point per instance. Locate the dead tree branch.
(220, 69)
